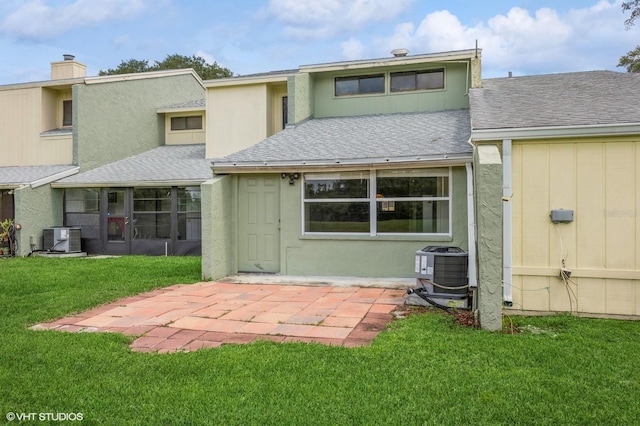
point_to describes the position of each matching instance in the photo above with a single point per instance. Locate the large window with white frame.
(402, 201)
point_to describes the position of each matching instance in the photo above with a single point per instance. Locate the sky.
(525, 37)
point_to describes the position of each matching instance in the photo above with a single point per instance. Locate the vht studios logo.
(43, 417)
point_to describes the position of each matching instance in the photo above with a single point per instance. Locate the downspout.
(471, 229)
(507, 192)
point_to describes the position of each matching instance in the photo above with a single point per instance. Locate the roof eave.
(479, 135)
(327, 165)
(129, 184)
(459, 55)
(238, 81)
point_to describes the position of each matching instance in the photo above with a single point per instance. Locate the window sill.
(366, 237)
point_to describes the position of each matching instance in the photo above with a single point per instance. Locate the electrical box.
(561, 216)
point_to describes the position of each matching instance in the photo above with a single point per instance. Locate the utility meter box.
(561, 216)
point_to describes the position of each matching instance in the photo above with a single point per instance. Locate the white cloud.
(314, 19)
(352, 49)
(35, 19)
(208, 57)
(580, 39)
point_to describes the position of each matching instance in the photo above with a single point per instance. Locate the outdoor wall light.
(292, 177)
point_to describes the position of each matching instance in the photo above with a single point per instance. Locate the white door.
(259, 223)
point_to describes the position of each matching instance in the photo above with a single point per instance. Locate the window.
(417, 80)
(67, 113)
(82, 209)
(193, 122)
(152, 213)
(285, 111)
(189, 218)
(337, 202)
(413, 201)
(359, 85)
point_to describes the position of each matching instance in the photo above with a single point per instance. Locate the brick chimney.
(68, 68)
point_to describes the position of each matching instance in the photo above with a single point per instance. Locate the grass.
(423, 369)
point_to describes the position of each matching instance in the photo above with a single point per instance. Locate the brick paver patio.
(204, 315)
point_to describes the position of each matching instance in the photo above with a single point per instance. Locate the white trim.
(373, 206)
(54, 177)
(240, 80)
(471, 228)
(555, 132)
(448, 160)
(129, 184)
(142, 76)
(507, 192)
(383, 62)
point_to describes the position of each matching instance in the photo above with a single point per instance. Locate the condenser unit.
(441, 274)
(64, 240)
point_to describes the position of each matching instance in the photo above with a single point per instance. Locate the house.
(74, 124)
(344, 169)
(374, 164)
(570, 148)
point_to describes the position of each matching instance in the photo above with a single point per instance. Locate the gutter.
(555, 132)
(137, 184)
(471, 228)
(55, 177)
(325, 165)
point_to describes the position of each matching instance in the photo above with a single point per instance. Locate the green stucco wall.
(454, 96)
(219, 229)
(114, 120)
(381, 256)
(300, 98)
(488, 179)
(36, 209)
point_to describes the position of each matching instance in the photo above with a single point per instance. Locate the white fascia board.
(185, 109)
(326, 165)
(55, 177)
(555, 132)
(142, 76)
(128, 184)
(383, 62)
(239, 81)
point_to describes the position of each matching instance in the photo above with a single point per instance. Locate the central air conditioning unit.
(62, 240)
(441, 276)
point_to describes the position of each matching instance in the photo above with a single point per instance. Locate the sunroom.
(144, 204)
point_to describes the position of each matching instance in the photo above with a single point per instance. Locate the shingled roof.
(556, 100)
(15, 176)
(373, 139)
(169, 165)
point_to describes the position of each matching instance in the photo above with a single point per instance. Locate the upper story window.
(193, 122)
(417, 80)
(67, 113)
(359, 85)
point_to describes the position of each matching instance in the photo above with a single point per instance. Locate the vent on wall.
(63, 240)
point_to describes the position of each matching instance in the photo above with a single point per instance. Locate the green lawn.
(423, 369)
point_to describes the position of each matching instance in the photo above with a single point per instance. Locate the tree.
(634, 7)
(631, 61)
(172, 62)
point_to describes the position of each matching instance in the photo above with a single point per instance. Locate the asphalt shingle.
(25, 175)
(163, 164)
(345, 139)
(555, 100)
